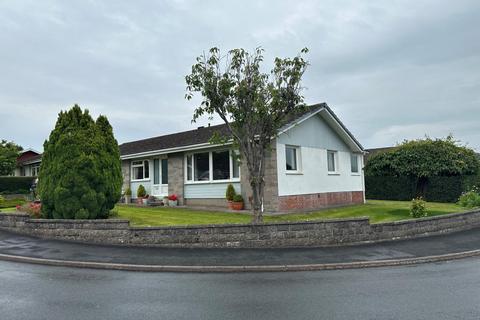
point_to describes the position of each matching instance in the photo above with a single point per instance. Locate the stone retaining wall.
(275, 235)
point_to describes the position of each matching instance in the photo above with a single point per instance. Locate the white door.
(160, 178)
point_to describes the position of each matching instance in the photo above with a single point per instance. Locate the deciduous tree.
(253, 104)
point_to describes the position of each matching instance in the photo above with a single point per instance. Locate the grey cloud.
(391, 70)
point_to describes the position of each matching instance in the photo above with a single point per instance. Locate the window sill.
(212, 182)
(356, 174)
(294, 173)
(140, 180)
(334, 173)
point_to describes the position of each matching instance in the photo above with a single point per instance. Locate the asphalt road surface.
(449, 290)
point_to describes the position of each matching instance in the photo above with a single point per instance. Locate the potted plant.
(128, 195)
(230, 194)
(145, 200)
(173, 200)
(165, 200)
(237, 203)
(141, 193)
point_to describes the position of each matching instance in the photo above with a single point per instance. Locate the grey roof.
(203, 135)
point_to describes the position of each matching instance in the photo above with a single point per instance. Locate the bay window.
(211, 166)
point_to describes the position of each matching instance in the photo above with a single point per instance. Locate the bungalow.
(314, 162)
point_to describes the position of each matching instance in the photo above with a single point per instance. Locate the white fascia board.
(298, 121)
(172, 150)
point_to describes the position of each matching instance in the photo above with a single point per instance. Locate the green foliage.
(438, 189)
(238, 198)
(253, 104)
(9, 153)
(7, 203)
(81, 175)
(141, 192)
(230, 193)
(418, 208)
(470, 199)
(2, 200)
(128, 192)
(15, 185)
(425, 158)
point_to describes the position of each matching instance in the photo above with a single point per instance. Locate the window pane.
(156, 171)
(137, 173)
(189, 168)
(136, 163)
(147, 169)
(236, 167)
(291, 158)
(164, 171)
(221, 165)
(201, 163)
(354, 163)
(331, 161)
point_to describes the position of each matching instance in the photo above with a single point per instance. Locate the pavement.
(14, 247)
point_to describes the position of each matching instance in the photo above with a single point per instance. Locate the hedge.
(439, 189)
(11, 185)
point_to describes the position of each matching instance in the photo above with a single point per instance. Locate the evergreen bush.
(230, 193)
(81, 174)
(141, 192)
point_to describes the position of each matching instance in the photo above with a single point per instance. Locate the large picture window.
(211, 166)
(140, 170)
(221, 165)
(202, 166)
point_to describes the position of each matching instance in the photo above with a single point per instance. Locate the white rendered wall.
(315, 137)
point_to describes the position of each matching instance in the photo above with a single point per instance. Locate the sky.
(391, 70)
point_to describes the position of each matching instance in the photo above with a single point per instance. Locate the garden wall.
(275, 235)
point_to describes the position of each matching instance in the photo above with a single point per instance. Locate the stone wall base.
(308, 202)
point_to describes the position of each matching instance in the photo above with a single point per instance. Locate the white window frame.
(210, 168)
(132, 166)
(298, 159)
(335, 162)
(35, 168)
(355, 173)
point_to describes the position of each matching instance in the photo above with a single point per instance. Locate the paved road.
(448, 290)
(436, 245)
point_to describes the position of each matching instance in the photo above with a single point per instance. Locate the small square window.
(332, 161)
(354, 163)
(291, 158)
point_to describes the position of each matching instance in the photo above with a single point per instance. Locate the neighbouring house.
(28, 163)
(314, 162)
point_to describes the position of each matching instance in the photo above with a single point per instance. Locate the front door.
(160, 178)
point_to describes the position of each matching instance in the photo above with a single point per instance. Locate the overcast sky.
(391, 70)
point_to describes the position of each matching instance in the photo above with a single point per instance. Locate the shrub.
(2, 199)
(141, 192)
(81, 175)
(128, 192)
(32, 208)
(238, 198)
(470, 199)
(418, 208)
(230, 193)
(113, 213)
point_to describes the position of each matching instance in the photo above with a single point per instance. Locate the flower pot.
(128, 199)
(229, 204)
(145, 201)
(237, 205)
(139, 200)
(172, 203)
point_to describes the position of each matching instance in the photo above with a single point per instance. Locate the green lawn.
(376, 210)
(11, 203)
(12, 209)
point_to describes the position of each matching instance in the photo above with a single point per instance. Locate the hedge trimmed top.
(425, 158)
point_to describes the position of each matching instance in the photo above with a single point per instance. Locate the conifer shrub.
(81, 175)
